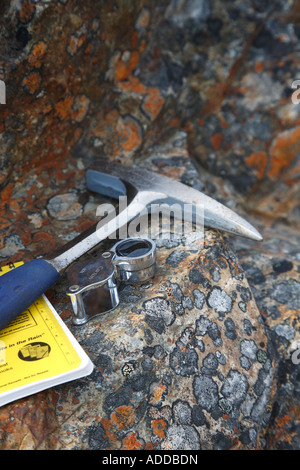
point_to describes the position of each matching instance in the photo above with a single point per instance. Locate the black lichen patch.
(254, 275)
(212, 252)
(156, 324)
(245, 293)
(205, 326)
(175, 258)
(209, 365)
(182, 413)
(176, 291)
(234, 388)
(206, 392)
(230, 329)
(104, 363)
(199, 298)
(197, 278)
(134, 383)
(248, 328)
(245, 363)
(187, 338)
(181, 437)
(220, 301)
(158, 314)
(198, 417)
(221, 442)
(214, 333)
(184, 361)
(287, 292)
(97, 438)
(248, 349)
(282, 266)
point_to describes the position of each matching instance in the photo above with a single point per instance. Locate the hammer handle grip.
(22, 286)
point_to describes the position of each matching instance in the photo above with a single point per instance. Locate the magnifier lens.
(133, 248)
(135, 259)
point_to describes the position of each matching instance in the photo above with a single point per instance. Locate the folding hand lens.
(134, 259)
(93, 284)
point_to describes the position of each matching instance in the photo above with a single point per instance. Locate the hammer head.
(115, 180)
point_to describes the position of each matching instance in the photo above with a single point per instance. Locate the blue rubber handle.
(20, 287)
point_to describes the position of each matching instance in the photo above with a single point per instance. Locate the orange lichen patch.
(32, 82)
(29, 424)
(292, 175)
(123, 417)
(282, 429)
(46, 107)
(175, 123)
(159, 427)
(64, 107)
(133, 84)
(6, 193)
(43, 236)
(106, 128)
(215, 96)
(131, 442)
(152, 99)
(72, 45)
(259, 66)
(283, 150)
(84, 225)
(153, 103)
(81, 40)
(75, 43)
(224, 124)
(26, 238)
(130, 134)
(80, 108)
(37, 53)
(57, 145)
(5, 223)
(216, 140)
(157, 393)
(149, 446)
(284, 420)
(108, 428)
(134, 39)
(27, 12)
(88, 49)
(126, 65)
(258, 161)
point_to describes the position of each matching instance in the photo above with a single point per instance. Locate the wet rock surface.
(205, 356)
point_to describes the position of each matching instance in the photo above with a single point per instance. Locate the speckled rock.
(178, 365)
(206, 355)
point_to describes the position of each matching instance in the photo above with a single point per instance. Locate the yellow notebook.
(38, 351)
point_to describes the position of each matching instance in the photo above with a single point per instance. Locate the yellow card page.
(35, 346)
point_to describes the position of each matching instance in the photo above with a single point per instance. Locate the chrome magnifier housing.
(135, 260)
(94, 283)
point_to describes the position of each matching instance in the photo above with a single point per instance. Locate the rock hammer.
(20, 287)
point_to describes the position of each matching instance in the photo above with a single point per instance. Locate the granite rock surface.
(205, 356)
